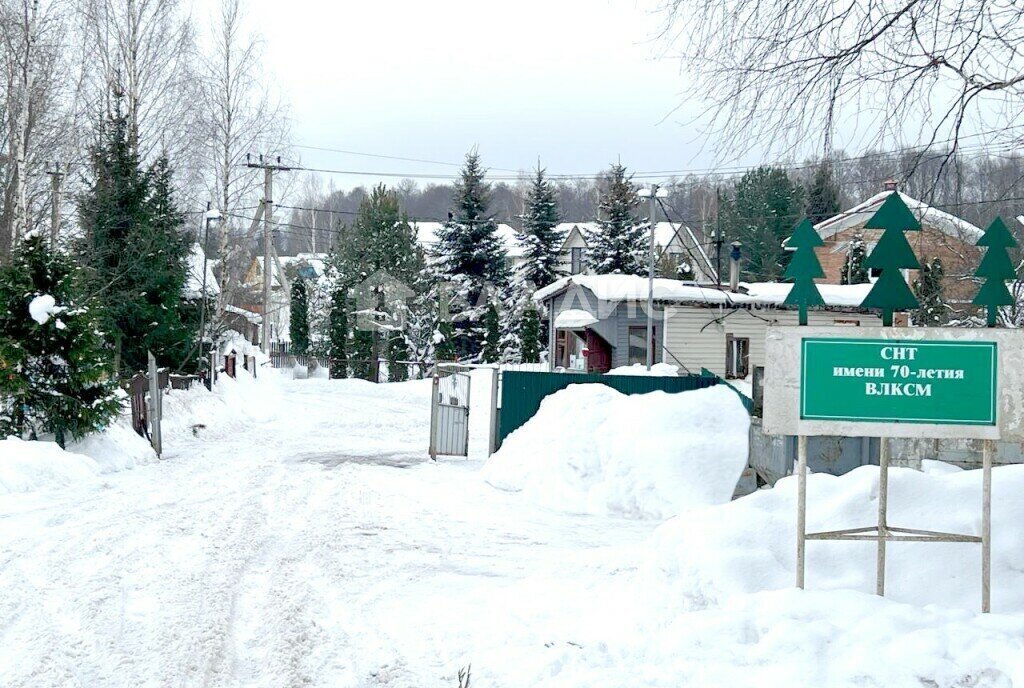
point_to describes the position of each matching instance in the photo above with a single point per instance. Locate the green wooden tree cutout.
(892, 254)
(996, 267)
(803, 268)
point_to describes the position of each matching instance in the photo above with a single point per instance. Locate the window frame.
(734, 346)
(576, 260)
(643, 337)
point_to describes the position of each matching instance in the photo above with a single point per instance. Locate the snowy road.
(308, 542)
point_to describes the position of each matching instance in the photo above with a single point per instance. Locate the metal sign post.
(904, 383)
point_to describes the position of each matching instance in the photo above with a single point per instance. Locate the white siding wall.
(687, 346)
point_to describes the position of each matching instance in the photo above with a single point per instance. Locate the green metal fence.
(522, 392)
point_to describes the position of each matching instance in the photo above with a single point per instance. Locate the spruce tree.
(765, 205)
(444, 341)
(933, 309)
(362, 354)
(397, 353)
(135, 251)
(540, 237)
(892, 253)
(298, 322)
(53, 364)
(822, 194)
(619, 243)
(338, 334)
(529, 336)
(541, 241)
(469, 258)
(995, 268)
(854, 271)
(377, 257)
(492, 335)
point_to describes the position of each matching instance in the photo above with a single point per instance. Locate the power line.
(390, 157)
(1007, 147)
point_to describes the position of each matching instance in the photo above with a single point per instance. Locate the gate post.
(155, 400)
(433, 414)
(492, 444)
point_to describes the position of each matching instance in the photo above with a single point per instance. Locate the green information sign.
(898, 381)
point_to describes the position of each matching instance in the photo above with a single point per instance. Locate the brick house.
(942, 236)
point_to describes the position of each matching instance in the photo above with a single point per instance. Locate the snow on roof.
(426, 235)
(254, 318)
(664, 232)
(634, 288)
(193, 288)
(859, 214)
(317, 261)
(574, 318)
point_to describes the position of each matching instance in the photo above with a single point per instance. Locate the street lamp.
(653, 193)
(211, 215)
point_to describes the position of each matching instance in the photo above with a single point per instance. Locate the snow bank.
(657, 370)
(117, 448)
(592, 449)
(27, 466)
(749, 545)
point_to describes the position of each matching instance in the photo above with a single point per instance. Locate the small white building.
(724, 331)
(600, 321)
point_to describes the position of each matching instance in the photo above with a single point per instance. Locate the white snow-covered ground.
(302, 538)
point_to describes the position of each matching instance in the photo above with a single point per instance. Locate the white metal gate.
(449, 411)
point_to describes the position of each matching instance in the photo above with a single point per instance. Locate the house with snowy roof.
(943, 236)
(600, 322)
(283, 269)
(675, 244)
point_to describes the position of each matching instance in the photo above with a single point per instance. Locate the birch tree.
(783, 73)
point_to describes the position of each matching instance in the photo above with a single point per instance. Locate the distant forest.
(975, 188)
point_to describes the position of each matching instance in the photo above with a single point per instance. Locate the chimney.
(734, 267)
(889, 185)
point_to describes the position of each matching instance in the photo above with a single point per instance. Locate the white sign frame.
(782, 384)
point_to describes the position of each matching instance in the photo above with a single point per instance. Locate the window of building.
(638, 344)
(737, 357)
(577, 261)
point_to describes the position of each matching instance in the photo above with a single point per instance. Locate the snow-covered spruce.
(54, 369)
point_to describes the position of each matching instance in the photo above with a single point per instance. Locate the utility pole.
(718, 236)
(56, 178)
(208, 217)
(268, 168)
(653, 194)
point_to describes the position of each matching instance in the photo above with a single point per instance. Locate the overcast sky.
(576, 82)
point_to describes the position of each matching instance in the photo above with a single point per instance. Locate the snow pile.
(749, 545)
(26, 466)
(713, 603)
(657, 370)
(592, 449)
(116, 448)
